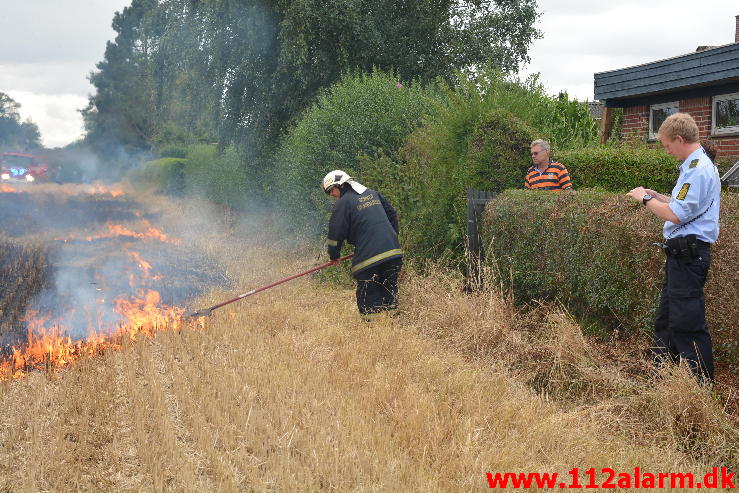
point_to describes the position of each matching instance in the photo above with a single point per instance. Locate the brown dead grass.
(290, 391)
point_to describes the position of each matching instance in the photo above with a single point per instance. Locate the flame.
(99, 189)
(118, 230)
(50, 348)
(7, 189)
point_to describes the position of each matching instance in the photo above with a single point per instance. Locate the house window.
(725, 114)
(658, 113)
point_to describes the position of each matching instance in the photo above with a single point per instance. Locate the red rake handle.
(207, 311)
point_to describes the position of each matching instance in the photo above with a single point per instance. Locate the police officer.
(691, 225)
(366, 220)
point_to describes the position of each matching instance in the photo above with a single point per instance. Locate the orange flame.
(98, 189)
(49, 347)
(118, 230)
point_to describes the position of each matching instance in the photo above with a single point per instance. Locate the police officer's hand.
(638, 193)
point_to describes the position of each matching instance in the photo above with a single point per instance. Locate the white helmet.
(337, 178)
(334, 179)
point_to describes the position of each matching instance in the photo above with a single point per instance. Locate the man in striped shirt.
(545, 174)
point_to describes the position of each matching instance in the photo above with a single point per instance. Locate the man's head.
(333, 182)
(679, 135)
(540, 152)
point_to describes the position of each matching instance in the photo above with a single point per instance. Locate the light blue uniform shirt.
(696, 199)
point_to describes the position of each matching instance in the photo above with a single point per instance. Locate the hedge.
(173, 150)
(620, 168)
(166, 175)
(592, 251)
(217, 176)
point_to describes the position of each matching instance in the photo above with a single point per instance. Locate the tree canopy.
(239, 72)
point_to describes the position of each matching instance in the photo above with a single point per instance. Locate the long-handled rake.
(206, 311)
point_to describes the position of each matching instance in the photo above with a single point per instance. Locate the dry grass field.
(290, 391)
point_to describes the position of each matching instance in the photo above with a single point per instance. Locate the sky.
(47, 50)
(48, 47)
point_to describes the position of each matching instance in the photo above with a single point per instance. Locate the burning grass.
(86, 295)
(291, 391)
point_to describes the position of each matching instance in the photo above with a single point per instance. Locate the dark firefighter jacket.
(368, 222)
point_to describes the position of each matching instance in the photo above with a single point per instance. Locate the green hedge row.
(165, 175)
(217, 176)
(205, 171)
(593, 251)
(620, 168)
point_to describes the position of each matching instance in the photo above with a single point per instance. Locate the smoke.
(80, 163)
(104, 253)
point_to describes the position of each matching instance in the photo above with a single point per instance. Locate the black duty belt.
(683, 246)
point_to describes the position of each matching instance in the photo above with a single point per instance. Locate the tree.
(119, 115)
(420, 39)
(14, 133)
(240, 72)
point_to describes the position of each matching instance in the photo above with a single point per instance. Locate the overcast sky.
(48, 47)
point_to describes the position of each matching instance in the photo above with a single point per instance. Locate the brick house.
(704, 83)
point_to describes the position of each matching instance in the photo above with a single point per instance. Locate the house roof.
(719, 65)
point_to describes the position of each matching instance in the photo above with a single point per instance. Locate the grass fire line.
(50, 335)
(49, 346)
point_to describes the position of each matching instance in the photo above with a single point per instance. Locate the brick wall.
(636, 125)
(700, 110)
(636, 122)
(728, 148)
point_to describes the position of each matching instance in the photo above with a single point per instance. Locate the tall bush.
(565, 122)
(469, 142)
(361, 115)
(466, 148)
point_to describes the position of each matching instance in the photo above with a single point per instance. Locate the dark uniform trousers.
(377, 287)
(680, 325)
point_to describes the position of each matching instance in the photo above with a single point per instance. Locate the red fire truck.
(22, 167)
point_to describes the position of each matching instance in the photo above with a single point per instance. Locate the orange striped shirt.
(554, 177)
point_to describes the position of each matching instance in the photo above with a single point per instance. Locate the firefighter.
(365, 219)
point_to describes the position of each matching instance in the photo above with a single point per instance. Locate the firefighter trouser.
(377, 287)
(680, 329)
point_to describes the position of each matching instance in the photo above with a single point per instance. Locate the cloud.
(47, 50)
(47, 77)
(56, 30)
(56, 115)
(584, 37)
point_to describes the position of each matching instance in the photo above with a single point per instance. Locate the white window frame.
(671, 104)
(725, 130)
